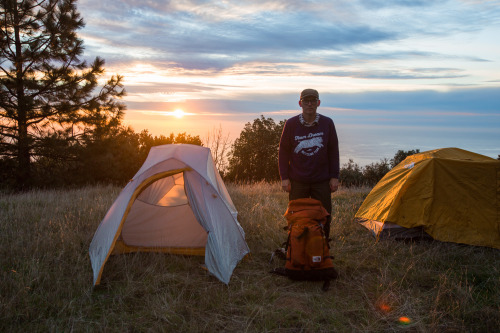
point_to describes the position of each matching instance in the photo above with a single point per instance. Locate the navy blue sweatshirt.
(309, 154)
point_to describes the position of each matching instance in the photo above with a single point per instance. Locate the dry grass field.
(386, 286)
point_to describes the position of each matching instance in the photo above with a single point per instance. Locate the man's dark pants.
(319, 191)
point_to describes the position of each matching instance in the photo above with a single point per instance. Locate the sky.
(392, 74)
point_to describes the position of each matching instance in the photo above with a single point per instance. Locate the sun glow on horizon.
(178, 113)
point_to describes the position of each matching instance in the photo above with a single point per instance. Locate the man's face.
(309, 104)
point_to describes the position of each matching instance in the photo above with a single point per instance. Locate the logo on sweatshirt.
(310, 144)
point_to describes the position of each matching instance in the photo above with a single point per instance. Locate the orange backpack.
(307, 250)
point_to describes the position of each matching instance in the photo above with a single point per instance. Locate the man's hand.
(285, 185)
(334, 184)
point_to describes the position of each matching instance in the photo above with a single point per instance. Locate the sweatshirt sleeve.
(333, 153)
(284, 153)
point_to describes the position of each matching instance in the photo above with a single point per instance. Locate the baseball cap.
(309, 92)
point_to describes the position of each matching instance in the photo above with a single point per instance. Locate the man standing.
(309, 154)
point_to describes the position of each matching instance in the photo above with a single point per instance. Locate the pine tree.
(46, 89)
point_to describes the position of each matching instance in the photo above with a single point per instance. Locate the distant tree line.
(111, 156)
(351, 174)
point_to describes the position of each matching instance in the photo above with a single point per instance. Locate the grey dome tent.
(176, 203)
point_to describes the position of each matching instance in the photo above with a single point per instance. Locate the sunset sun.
(178, 113)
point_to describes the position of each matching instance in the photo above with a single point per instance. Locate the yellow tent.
(450, 194)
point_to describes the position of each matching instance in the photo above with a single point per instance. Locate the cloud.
(210, 49)
(222, 45)
(196, 37)
(167, 88)
(411, 73)
(477, 100)
(378, 4)
(215, 36)
(458, 107)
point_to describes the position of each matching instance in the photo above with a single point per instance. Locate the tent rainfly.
(449, 194)
(176, 203)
